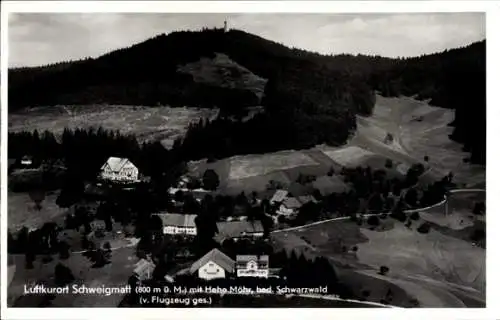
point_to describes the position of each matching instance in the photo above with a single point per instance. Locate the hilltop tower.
(225, 26)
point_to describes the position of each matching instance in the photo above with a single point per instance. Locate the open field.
(350, 156)
(147, 123)
(253, 172)
(249, 166)
(412, 140)
(22, 212)
(429, 136)
(115, 274)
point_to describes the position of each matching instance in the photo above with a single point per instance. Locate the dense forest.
(309, 98)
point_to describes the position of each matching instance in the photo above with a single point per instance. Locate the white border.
(493, 128)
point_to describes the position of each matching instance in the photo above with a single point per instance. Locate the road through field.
(428, 291)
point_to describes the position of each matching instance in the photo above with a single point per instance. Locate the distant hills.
(304, 91)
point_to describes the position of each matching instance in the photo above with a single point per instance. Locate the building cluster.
(287, 205)
(215, 265)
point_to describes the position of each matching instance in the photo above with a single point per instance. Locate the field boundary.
(371, 303)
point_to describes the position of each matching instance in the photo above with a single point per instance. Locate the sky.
(43, 38)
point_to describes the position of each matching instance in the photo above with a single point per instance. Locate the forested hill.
(147, 74)
(307, 92)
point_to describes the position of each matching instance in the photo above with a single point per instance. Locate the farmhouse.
(175, 223)
(213, 265)
(252, 266)
(119, 169)
(238, 229)
(144, 270)
(289, 206)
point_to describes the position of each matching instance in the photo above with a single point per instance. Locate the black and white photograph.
(245, 160)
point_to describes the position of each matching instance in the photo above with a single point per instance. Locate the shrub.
(355, 248)
(426, 158)
(373, 221)
(424, 227)
(384, 270)
(478, 235)
(479, 208)
(330, 172)
(388, 164)
(399, 215)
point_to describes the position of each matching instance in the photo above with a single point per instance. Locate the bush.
(383, 270)
(355, 248)
(399, 215)
(330, 172)
(424, 227)
(479, 208)
(408, 224)
(478, 235)
(415, 216)
(373, 221)
(388, 164)
(426, 158)
(210, 180)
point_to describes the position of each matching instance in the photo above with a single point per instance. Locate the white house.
(177, 224)
(213, 265)
(119, 169)
(252, 266)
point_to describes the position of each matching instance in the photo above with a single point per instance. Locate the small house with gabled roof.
(213, 265)
(177, 224)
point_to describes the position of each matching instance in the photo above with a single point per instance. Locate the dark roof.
(215, 256)
(292, 203)
(306, 199)
(231, 229)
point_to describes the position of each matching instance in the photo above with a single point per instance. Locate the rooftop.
(178, 220)
(215, 256)
(116, 164)
(232, 229)
(279, 196)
